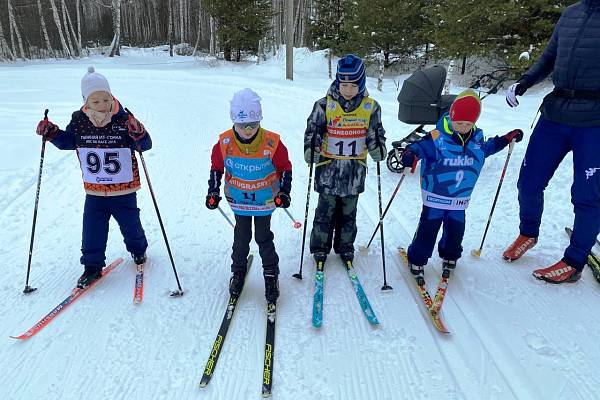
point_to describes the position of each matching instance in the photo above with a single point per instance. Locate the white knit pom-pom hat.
(93, 82)
(245, 107)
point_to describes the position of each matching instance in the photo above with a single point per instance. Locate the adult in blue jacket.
(570, 121)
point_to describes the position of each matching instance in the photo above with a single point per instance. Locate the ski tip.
(266, 393)
(21, 337)
(203, 384)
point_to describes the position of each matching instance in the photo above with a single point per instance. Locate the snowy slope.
(512, 337)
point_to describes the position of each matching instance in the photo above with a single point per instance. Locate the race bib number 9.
(106, 166)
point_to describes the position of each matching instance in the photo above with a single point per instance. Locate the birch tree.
(44, 30)
(5, 52)
(59, 28)
(115, 46)
(14, 31)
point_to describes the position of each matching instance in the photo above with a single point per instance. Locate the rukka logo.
(590, 172)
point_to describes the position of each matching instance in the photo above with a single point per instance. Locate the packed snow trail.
(512, 336)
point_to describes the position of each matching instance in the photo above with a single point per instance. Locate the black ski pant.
(334, 214)
(242, 234)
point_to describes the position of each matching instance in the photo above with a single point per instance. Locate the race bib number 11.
(106, 166)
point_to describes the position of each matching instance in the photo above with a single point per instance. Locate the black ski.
(217, 346)
(269, 351)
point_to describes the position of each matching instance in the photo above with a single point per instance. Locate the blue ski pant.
(449, 246)
(548, 145)
(96, 215)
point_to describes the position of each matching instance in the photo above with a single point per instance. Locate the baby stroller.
(421, 102)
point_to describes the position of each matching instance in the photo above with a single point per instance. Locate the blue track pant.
(548, 145)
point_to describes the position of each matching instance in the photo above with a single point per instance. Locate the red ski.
(138, 290)
(75, 294)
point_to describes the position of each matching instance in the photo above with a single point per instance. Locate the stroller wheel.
(393, 162)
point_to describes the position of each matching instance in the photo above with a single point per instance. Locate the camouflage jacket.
(341, 177)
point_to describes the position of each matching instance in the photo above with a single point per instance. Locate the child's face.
(100, 101)
(247, 130)
(348, 90)
(462, 126)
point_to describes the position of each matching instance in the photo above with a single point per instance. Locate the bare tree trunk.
(44, 30)
(199, 33)
(213, 37)
(181, 20)
(116, 24)
(5, 52)
(289, 40)
(59, 28)
(14, 31)
(69, 24)
(329, 57)
(170, 27)
(381, 60)
(297, 23)
(78, 7)
(66, 25)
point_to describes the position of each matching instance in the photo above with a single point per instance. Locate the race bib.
(350, 146)
(106, 166)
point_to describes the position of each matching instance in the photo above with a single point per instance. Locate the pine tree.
(241, 24)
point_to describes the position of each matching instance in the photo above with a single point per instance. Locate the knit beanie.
(93, 82)
(351, 69)
(245, 107)
(466, 107)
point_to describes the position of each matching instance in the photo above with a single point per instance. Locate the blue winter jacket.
(451, 163)
(573, 55)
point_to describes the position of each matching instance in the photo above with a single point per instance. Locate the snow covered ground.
(512, 336)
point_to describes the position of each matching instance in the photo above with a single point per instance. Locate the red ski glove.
(47, 129)
(135, 128)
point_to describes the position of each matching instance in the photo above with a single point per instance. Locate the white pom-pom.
(524, 56)
(91, 69)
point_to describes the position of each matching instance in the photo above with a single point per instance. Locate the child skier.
(258, 178)
(104, 137)
(452, 157)
(342, 128)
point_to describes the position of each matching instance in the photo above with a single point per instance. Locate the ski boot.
(418, 272)
(447, 267)
(320, 256)
(347, 256)
(139, 259)
(271, 287)
(561, 272)
(90, 274)
(519, 247)
(236, 283)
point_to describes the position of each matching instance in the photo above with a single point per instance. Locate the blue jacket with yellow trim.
(451, 162)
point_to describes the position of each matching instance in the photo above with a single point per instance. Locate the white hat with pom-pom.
(93, 82)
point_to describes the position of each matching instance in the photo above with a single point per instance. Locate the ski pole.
(297, 224)
(225, 216)
(385, 284)
(178, 292)
(310, 176)
(387, 207)
(28, 289)
(477, 252)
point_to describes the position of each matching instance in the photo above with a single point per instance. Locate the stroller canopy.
(424, 86)
(421, 100)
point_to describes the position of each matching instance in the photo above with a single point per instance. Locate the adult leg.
(96, 215)
(585, 195)
(127, 214)
(548, 145)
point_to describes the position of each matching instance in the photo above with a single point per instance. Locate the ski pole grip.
(46, 115)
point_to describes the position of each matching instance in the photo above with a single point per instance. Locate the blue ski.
(360, 294)
(317, 318)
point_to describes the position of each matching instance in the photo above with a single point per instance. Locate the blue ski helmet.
(351, 69)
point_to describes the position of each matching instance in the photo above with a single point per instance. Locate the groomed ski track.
(512, 337)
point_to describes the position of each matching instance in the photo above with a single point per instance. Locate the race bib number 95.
(105, 166)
